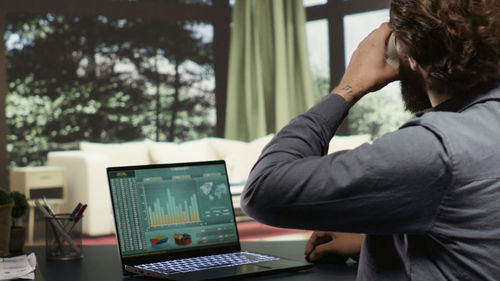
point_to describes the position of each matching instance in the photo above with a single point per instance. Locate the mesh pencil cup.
(63, 237)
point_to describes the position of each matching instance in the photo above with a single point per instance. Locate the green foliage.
(4, 197)
(20, 204)
(321, 82)
(106, 80)
(377, 113)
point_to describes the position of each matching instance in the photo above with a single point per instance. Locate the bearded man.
(420, 203)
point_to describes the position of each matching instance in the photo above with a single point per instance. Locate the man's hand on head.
(333, 247)
(368, 69)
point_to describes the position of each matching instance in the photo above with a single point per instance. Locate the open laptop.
(176, 221)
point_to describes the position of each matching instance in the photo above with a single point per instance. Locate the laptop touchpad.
(230, 271)
(248, 268)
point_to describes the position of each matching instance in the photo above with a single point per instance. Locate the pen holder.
(63, 237)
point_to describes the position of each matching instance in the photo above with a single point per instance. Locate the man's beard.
(413, 89)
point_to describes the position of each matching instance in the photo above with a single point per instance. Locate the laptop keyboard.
(206, 262)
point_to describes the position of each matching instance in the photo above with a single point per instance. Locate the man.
(427, 196)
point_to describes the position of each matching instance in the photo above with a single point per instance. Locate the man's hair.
(456, 41)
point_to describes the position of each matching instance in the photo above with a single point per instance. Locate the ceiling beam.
(115, 9)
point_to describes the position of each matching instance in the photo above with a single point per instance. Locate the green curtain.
(269, 79)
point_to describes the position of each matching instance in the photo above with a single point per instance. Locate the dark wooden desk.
(101, 263)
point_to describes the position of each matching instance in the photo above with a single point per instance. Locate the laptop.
(176, 222)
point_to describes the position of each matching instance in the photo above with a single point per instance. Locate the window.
(382, 111)
(319, 57)
(74, 78)
(55, 81)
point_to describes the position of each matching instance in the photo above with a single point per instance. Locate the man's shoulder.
(433, 120)
(482, 109)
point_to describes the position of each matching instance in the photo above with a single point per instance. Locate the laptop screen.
(172, 207)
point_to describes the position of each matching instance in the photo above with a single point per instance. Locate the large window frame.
(334, 11)
(219, 14)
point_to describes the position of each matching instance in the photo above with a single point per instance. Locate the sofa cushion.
(240, 156)
(119, 154)
(169, 152)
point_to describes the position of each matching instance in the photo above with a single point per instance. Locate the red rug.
(247, 230)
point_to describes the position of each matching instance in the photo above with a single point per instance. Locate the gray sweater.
(426, 195)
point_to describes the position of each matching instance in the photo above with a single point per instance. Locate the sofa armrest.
(87, 183)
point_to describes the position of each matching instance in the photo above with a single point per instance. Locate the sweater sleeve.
(393, 185)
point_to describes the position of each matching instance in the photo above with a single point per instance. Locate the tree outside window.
(107, 80)
(383, 111)
(377, 113)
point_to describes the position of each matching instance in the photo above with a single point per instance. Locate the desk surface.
(101, 262)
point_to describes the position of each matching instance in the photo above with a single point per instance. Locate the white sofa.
(86, 168)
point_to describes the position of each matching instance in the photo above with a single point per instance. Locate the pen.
(46, 213)
(49, 209)
(77, 208)
(58, 226)
(79, 214)
(77, 217)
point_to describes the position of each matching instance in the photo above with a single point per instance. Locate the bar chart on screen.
(168, 205)
(173, 211)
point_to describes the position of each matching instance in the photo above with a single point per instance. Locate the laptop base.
(229, 273)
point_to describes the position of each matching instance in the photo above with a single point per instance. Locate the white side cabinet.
(35, 182)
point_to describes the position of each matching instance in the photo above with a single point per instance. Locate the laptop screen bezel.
(161, 256)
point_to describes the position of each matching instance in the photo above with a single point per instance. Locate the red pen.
(79, 214)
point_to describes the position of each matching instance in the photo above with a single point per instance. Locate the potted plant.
(6, 204)
(17, 232)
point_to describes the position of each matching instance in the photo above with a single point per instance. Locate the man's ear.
(413, 64)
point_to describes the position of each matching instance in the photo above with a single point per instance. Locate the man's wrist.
(349, 92)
